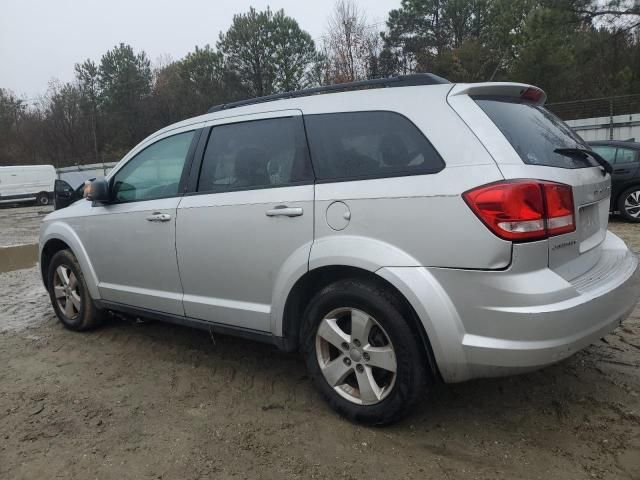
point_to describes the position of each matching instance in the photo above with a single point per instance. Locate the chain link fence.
(596, 107)
(607, 118)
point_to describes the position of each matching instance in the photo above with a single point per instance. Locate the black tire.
(621, 204)
(412, 375)
(88, 315)
(43, 199)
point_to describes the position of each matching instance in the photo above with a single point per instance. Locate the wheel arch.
(60, 236)
(314, 280)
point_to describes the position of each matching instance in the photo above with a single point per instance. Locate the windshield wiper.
(584, 153)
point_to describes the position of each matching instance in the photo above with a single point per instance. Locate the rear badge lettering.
(563, 244)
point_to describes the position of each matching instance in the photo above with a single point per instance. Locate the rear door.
(625, 162)
(249, 214)
(522, 136)
(625, 167)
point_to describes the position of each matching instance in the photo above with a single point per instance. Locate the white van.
(27, 183)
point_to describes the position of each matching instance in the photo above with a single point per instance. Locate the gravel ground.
(149, 400)
(20, 225)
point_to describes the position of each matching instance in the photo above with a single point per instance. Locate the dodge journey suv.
(402, 232)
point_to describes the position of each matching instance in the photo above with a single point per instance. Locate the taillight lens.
(532, 94)
(524, 209)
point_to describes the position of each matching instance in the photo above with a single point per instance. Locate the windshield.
(534, 132)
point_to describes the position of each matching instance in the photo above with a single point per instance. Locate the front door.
(131, 241)
(251, 217)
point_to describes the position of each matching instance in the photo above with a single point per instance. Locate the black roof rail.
(398, 81)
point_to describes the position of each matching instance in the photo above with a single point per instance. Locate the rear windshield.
(534, 132)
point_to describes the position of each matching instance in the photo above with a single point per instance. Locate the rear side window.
(534, 132)
(360, 145)
(626, 155)
(256, 154)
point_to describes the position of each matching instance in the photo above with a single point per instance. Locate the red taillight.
(524, 209)
(532, 94)
(559, 203)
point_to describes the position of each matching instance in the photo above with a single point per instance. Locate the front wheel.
(361, 353)
(629, 204)
(69, 294)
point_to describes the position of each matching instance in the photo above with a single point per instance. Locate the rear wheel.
(361, 353)
(629, 204)
(43, 199)
(69, 294)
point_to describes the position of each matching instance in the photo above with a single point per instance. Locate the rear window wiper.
(584, 153)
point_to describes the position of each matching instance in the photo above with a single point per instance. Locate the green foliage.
(571, 48)
(563, 46)
(268, 52)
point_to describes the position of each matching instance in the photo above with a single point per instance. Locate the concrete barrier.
(18, 257)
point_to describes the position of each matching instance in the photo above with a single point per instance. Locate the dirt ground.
(20, 225)
(148, 400)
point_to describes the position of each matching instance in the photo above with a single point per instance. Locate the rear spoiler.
(501, 89)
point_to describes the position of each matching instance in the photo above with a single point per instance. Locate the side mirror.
(97, 190)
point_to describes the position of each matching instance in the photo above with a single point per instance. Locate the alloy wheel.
(67, 293)
(356, 356)
(632, 204)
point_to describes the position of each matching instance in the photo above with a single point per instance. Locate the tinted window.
(534, 132)
(606, 152)
(155, 172)
(626, 155)
(368, 145)
(256, 154)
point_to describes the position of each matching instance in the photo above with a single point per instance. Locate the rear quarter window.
(362, 145)
(534, 132)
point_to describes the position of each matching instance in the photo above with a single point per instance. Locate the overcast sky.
(40, 40)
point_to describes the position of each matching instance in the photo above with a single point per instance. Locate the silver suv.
(394, 236)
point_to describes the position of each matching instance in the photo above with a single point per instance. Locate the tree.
(87, 76)
(268, 52)
(124, 79)
(11, 111)
(352, 46)
(294, 54)
(533, 41)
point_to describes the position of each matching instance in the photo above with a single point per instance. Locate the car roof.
(616, 143)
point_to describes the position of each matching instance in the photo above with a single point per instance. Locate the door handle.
(159, 217)
(284, 211)
(621, 170)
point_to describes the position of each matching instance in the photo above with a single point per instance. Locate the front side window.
(154, 172)
(255, 154)
(360, 145)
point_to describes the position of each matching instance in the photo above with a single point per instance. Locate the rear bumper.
(501, 323)
(584, 319)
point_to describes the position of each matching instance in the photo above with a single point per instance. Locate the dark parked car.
(65, 194)
(624, 157)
